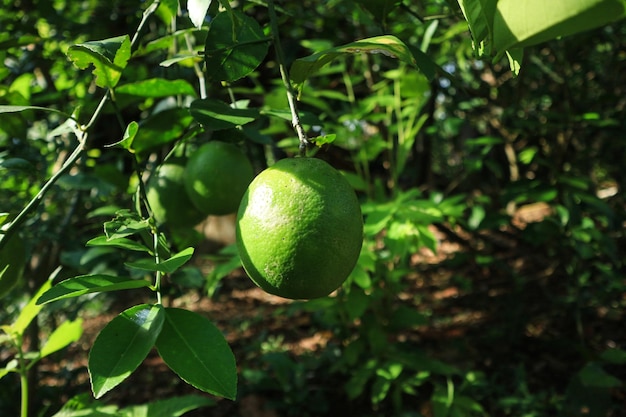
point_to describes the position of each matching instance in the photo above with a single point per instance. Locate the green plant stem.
(23, 371)
(284, 74)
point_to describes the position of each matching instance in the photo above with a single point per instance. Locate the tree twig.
(284, 74)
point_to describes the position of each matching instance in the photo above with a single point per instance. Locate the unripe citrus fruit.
(168, 199)
(12, 259)
(299, 229)
(216, 177)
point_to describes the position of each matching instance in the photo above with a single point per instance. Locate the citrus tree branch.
(284, 74)
(81, 133)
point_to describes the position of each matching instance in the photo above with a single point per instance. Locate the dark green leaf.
(235, 46)
(196, 350)
(122, 345)
(217, 115)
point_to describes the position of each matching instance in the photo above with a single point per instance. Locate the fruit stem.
(284, 74)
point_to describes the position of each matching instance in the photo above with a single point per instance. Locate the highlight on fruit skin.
(299, 229)
(216, 176)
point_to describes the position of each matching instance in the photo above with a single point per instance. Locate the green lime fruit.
(168, 199)
(216, 177)
(12, 260)
(299, 229)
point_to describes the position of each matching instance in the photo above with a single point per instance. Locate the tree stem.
(284, 74)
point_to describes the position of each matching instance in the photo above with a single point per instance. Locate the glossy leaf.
(68, 332)
(122, 345)
(196, 350)
(217, 115)
(85, 284)
(108, 57)
(168, 266)
(235, 46)
(17, 109)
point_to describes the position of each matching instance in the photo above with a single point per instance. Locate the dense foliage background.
(492, 276)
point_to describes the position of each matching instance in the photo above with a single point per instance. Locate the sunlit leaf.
(68, 332)
(122, 345)
(197, 11)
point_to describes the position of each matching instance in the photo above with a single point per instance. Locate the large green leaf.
(122, 345)
(479, 15)
(217, 115)
(235, 46)
(109, 58)
(86, 284)
(387, 45)
(196, 350)
(518, 24)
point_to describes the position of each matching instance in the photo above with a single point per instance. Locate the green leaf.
(479, 15)
(170, 407)
(122, 345)
(197, 11)
(235, 46)
(85, 284)
(388, 45)
(592, 375)
(17, 109)
(519, 24)
(128, 138)
(157, 87)
(168, 266)
(109, 58)
(614, 356)
(217, 115)
(196, 350)
(31, 309)
(68, 332)
(120, 242)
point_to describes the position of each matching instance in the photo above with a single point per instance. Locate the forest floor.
(482, 318)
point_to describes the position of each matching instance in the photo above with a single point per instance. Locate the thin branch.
(284, 74)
